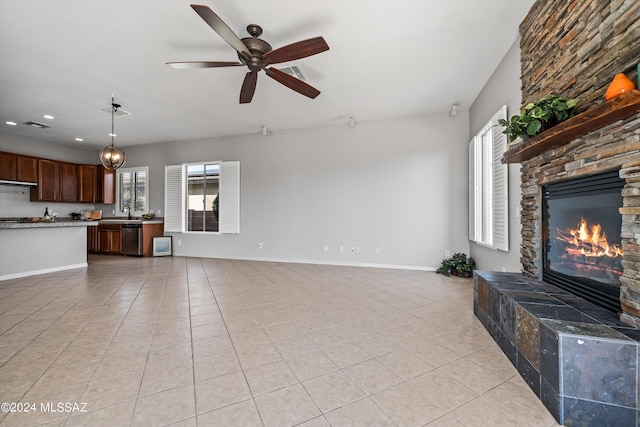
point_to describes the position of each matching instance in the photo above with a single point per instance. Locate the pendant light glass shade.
(112, 157)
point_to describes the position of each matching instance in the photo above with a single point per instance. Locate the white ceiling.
(387, 58)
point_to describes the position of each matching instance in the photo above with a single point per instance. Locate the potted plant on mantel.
(538, 116)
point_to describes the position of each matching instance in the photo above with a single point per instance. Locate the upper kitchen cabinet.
(105, 185)
(48, 189)
(27, 168)
(16, 167)
(87, 183)
(8, 166)
(68, 182)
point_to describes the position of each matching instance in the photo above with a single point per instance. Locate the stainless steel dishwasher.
(132, 239)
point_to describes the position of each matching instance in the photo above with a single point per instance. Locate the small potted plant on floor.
(539, 116)
(458, 265)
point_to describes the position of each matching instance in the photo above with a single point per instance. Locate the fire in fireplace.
(581, 237)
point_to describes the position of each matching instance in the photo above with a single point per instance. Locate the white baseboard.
(43, 271)
(322, 262)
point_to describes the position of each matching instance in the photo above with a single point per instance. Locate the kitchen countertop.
(67, 222)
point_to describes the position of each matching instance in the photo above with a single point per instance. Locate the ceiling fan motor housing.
(257, 47)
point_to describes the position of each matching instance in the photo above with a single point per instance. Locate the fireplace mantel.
(591, 120)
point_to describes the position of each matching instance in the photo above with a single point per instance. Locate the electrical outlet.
(159, 212)
(341, 249)
(377, 251)
(151, 211)
(113, 211)
(326, 248)
(259, 245)
(447, 253)
(179, 242)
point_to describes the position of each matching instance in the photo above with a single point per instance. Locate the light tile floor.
(208, 342)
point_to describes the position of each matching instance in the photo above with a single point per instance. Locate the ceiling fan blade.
(222, 29)
(248, 87)
(202, 64)
(292, 82)
(297, 50)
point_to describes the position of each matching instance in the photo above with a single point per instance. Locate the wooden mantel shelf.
(618, 108)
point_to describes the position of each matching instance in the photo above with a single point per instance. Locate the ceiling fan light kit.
(256, 54)
(111, 156)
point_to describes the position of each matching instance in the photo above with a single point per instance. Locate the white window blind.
(230, 197)
(472, 190)
(489, 186)
(173, 198)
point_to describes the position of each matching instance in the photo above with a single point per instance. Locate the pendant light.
(111, 157)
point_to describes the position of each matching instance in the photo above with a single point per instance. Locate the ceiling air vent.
(294, 71)
(36, 124)
(119, 111)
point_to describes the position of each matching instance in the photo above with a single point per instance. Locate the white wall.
(398, 185)
(15, 201)
(502, 88)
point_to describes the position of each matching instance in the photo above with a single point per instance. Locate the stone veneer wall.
(574, 48)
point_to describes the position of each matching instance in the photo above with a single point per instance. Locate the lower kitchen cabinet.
(149, 231)
(109, 239)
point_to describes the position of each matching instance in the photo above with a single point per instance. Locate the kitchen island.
(35, 247)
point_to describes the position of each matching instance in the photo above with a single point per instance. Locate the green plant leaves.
(544, 113)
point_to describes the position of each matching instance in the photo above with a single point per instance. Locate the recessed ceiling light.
(79, 139)
(11, 123)
(48, 116)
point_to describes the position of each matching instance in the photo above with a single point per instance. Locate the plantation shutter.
(489, 186)
(472, 190)
(229, 197)
(500, 183)
(173, 198)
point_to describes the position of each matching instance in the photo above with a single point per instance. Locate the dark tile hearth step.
(579, 359)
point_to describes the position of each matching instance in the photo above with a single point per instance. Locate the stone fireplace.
(579, 356)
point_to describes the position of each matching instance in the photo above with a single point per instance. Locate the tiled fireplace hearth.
(581, 360)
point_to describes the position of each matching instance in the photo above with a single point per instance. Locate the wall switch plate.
(447, 253)
(357, 249)
(377, 251)
(326, 248)
(341, 249)
(259, 245)
(179, 242)
(159, 211)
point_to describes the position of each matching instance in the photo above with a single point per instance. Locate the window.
(202, 197)
(488, 186)
(132, 191)
(203, 186)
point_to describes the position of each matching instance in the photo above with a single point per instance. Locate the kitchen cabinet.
(110, 239)
(48, 189)
(92, 239)
(26, 168)
(8, 166)
(149, 231)
(16, 167)
(105, 185)
(68, 182)
(86, 183)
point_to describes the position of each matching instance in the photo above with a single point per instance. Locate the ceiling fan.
(257, 55)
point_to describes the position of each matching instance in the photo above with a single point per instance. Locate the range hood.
(20, 183)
